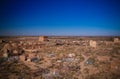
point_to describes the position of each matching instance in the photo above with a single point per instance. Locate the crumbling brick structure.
(116, 40)
(93, 43)
(43, 38)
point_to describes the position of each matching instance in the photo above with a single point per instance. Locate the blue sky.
(60, 17)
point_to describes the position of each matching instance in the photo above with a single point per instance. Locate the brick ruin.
(72, 57)
(93, 43)
(43, 38)
(116, 40)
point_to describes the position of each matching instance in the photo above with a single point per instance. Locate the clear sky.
(60, 17)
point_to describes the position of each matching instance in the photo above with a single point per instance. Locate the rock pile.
(10, 50)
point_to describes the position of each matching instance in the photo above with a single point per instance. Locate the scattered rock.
(59, 61)
(68, 59)
(13, 58)
(71, 55)
(5, 55)
(35, 59)
(50, 55)
(90, 61)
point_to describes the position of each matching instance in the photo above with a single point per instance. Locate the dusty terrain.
(60, 58)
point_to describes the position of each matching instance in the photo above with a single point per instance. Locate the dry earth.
(60, 58)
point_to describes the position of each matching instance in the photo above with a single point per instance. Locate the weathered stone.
(90, 61)
(116, 40)
(28, 60)
(68, 59)
(14, 45)
(22, 58)
(31, 55)
(43, 38)
(5, 55)
(35, 59)
(1, 41)
(7, 48)
(93, 43)
(59, 61)
(13, 58)
(51, 55)
(15, 52)
(71, 55)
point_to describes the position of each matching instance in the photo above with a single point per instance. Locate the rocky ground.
(59, 58)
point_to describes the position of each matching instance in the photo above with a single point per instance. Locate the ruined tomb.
(93, 43)
(116, 40)
(43, 38)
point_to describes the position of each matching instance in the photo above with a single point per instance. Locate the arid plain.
(59, 57)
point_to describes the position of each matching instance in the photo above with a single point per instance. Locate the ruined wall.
(43, 38)
(93, 43)
(116, 40)
(1, 40)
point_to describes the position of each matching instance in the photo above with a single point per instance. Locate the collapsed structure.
(43, 38)
(116, 40)
(11, 50)
(1, 40)
(64, 59)
(93, 43)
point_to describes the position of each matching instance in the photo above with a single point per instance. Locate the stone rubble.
(59, 58)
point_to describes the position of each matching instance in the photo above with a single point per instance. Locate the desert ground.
(60, 57)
